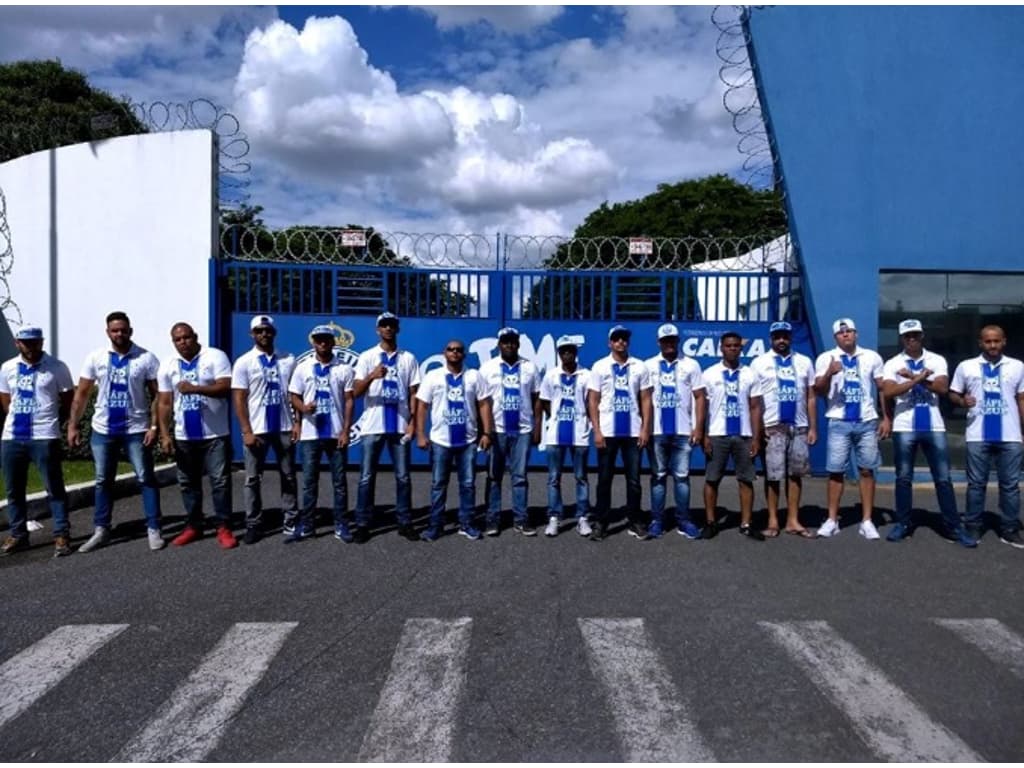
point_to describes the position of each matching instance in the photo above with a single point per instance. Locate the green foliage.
(44, 105)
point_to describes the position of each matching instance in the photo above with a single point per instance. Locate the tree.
(691, 222)
(45, 105)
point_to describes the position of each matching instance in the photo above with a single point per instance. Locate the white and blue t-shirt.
(916, 410)
(782, 385)
(265, 378)
(122, 401)
(512, 389)
(672, 400)
(567, 393)
(620, 385)
(995, 417)
(729, 392)
(324, 384)
(851, 394)
(197, 417)
(386, 404)
(453, 398)
(35, 391)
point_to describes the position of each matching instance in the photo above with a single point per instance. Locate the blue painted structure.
(350, 297)
(897, 138)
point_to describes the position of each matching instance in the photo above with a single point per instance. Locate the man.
(35, 391)
(388, 377)
(194, 389)
(321, 393)
(785, 384)
(259, 380)
(734, 429)
(515, 385)
(848, 377)
(680, 407)
(991, 388)
(459, 402)
(619, 405)
(122, 420)
(568, 432)
(913, 381)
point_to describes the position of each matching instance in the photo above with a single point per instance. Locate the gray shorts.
(721, 449)
(786, 453)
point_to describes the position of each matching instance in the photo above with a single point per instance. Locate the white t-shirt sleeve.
(240, 374)
(89, 368)
(297, 386)
(63, 376)
(221, 364)
(163, 379)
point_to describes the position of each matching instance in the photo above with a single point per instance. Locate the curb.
(82, 495)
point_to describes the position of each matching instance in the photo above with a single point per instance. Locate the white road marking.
(651, 716)
(888, 720)
(28, 675)
(993, 638)
(191, 722)
(415, 717)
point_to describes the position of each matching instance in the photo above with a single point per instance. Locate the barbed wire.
(740, 98)
(315, 245)
(10, 310)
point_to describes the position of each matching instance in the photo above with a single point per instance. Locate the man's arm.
(756, 405)
(700, 414)
(593, 405)
(164, 408)
(78, 403)
(646, 417)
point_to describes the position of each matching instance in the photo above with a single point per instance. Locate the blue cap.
(508, 330)
(780, 327)
(29, 332)
(322, 330)
(619, 329)
(383, 317)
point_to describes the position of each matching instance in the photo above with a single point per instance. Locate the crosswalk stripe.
(28, 675)
(888, 720)
(651, 717)
(415, 716)
(993, 638)
(190, 723)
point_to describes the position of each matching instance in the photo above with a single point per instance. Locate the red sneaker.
(187, 536)
(226, 538)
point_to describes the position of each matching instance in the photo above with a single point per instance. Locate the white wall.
(134, 229)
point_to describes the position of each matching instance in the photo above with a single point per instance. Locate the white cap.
(667, 330)
(911, 326)
(843, 324)
(261, 321)
(569, 340)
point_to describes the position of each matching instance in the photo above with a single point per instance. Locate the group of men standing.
(664, 406)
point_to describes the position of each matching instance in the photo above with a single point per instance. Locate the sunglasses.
(457, 350)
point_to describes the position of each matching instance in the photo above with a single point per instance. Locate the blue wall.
(898, 132)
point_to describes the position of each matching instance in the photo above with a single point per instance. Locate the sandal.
(802, 532)
(770, 533)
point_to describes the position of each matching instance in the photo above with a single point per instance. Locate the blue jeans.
(255, 461)
(606, 470)
(512, 450)
(933, 445)
(670, 453)
(16, 455)
(556, 458)
(441, 462)
(373, 446)
(310, 452)
(212, 456)
(979, 461)
(106, 450)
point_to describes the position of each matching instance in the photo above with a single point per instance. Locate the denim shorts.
(860, 436)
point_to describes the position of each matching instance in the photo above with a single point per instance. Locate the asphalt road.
(515, 649)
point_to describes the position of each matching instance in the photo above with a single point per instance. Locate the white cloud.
(506, 18)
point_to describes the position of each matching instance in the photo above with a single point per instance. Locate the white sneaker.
(156, 541)
(99, 537)
(867, 530)
(552, 529)
(829, 528)
(583, 527)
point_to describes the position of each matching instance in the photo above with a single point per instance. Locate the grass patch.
(74, 472)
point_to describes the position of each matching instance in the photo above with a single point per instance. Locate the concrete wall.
(126, 223)
(898, 130)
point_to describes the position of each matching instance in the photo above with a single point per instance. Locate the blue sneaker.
(430, 534)
(342, 533)
(470, 532)
(689, 530)
(655, 529)
(899, 532)
(301, 533)
(964, 539)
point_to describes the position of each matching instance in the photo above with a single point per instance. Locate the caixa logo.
(343, 341)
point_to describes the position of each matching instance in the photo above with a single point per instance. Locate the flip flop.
(770, 533)
(802, 532)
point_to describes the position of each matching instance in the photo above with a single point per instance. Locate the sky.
(512, 119)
